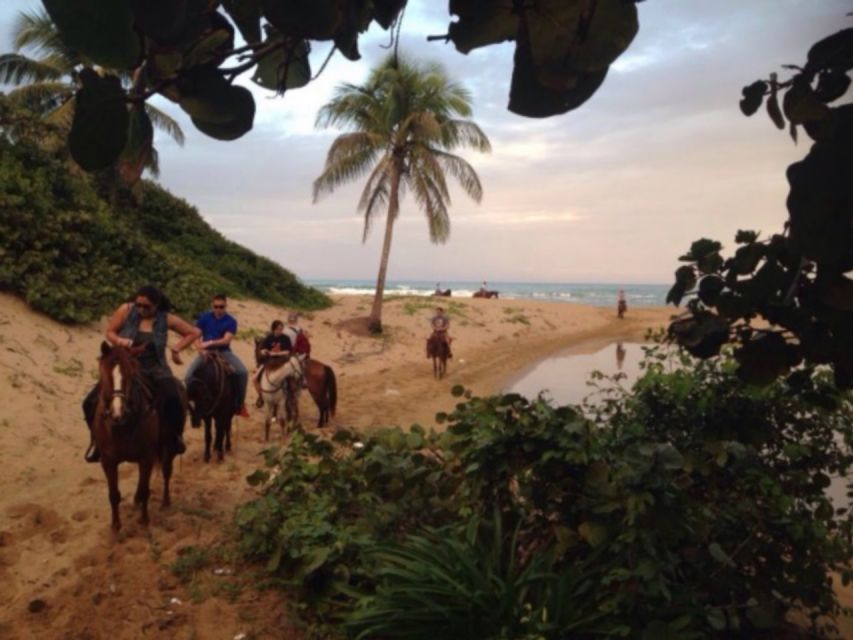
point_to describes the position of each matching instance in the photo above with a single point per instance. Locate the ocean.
(599, 295)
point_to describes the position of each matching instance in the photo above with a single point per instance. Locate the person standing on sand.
(147, 321)
(621, 305)
(218, 328)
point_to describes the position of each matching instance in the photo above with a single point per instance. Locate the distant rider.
(621, 304)
(218, 328)
(440, 327)
(276, 345)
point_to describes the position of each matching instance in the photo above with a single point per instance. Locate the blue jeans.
(236, 364)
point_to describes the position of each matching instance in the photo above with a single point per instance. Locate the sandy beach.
(62, 573)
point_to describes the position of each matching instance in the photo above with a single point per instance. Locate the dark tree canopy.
(797, 282)
(185, 50)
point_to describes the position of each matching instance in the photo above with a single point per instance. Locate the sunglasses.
(144, 305)
(219, 306)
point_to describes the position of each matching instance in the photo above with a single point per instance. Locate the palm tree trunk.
(374, 324)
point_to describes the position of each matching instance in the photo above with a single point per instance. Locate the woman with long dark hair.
(146, 320)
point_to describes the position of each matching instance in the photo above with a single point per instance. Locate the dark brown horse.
(211, 400)
(439, 350)
(485, 294)
(126, 428)
(320, 380)
(446, 293)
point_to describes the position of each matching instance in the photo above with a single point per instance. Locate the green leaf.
(258, 477)
(387, 11)
(137, 151)
(246, 14)
(773, 109)
(831, 85)
(801, 104)
(161, 20)
(719, 555)
(613, 27)
(753, 96)
(100, 127)
(833, 52)
(457, 390)
(315, 20)
(480, 23)
(287, 68)
(716, 618)
(100, 30)
(595, 533)
(746, 237)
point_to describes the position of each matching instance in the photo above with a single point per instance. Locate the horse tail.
(331, 389)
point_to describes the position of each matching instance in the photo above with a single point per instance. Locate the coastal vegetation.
(405, 121)
(691, 506)
(74, 253)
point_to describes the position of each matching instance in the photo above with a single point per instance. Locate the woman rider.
(147, 321)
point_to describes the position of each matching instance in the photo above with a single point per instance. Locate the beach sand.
(63, 573)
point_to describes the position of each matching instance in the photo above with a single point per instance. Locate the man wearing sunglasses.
(218, 328)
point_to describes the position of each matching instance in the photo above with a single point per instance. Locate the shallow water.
(563, 377)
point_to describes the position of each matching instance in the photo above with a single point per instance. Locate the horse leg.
(228, 425)
(143, 490)
(207, 439)
(111, 472)
(166, 469)
(270, 408)
(220, 436)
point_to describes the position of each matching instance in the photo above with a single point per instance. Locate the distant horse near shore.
(439, 351)
(485, 294)
(127, 428)
(446, 293)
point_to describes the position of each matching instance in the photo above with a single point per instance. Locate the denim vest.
(161, 332)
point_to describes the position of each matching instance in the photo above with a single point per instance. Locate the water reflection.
(564, 376)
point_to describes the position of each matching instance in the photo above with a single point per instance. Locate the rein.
(220, 376)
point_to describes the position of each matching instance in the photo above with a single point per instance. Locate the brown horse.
(211, 399)
(446, 293)
(485, 294)
(321, 382)
(438, 349)
(126, 428)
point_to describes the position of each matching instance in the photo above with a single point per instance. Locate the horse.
(621, 308)
(319, 379)
(446, 293)
(438, 349)
(277, 374)
(482, 293)
(126, 428)
(211, 400)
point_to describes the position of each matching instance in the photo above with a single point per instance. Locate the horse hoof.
(207, 457)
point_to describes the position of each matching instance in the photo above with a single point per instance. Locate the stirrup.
(259, 403)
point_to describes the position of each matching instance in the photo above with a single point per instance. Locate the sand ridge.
(62, 572)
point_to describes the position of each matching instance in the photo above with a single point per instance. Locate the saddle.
(219, 361)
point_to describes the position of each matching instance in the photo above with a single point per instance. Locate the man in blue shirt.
(218, 328)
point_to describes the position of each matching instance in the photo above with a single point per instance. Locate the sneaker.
(243, 412)
(92, 454)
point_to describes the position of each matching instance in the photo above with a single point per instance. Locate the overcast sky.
(612, 192)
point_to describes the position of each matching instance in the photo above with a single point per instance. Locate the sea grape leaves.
(100, 127)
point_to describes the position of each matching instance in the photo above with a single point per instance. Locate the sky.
(612, 192)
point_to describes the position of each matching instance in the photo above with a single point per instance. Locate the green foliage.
(689, 507)
(70, 256)
(190, 560)
(797, 282)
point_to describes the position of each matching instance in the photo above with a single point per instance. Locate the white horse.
(274, 377)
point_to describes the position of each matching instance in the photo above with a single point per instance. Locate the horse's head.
(118, 367)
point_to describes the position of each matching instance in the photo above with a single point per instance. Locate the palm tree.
(405, 121)
(47, 80)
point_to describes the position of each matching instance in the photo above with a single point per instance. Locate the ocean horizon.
(595, 294)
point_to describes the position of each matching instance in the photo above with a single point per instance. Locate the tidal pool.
(564, 376)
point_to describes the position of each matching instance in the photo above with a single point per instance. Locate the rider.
(483, 288)
(276, 344)
(146, 320)
(437, 289)
(298, 337)
(440, 326)
(218, 328)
